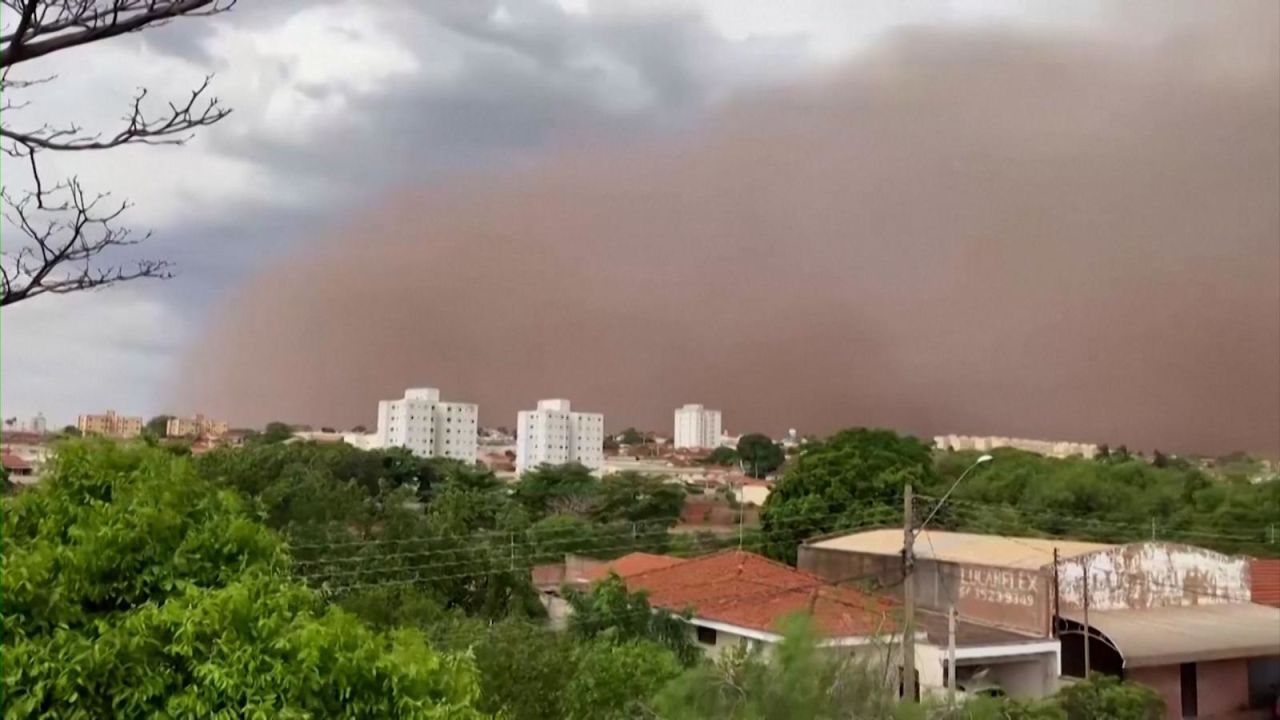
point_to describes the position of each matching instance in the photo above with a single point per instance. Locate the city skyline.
(994, 258)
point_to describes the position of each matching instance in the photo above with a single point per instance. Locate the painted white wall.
(752, 494)
(696, 427)
(554, 434)
(1024, 671)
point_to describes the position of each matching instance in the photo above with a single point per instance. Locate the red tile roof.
(751, 591)
(13, 462)
(631, 564)
(1265, 578)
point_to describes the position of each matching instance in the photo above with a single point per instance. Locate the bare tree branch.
(80, 22)
(64, 233)
(66, 230)
(175, 128)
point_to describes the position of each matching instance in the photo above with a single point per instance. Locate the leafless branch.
(173, 128)
(64, 231)
(47, 26)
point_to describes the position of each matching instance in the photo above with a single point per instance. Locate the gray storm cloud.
(1073, 237)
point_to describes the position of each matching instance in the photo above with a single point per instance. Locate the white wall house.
(428, 427)
(697, 427)
(555, 435)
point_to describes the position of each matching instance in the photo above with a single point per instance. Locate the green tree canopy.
(631, 436)
(275, 432)
(798, 680)
(759, 454)
(1104, 696)
(1109, 500)
(610, 612)
(634, 497)
(133, 588)
(159, 425)
(616, 681)
(843, 481)
(723, 455)
(551, 489)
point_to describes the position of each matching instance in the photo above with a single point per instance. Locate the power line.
(764, 539)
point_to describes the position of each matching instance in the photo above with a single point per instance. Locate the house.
(735, 598)
(16, 467)
(1148, 609)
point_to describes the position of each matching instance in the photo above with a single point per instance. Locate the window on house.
(706, 635)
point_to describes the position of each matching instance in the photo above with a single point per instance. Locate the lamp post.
(908, 585)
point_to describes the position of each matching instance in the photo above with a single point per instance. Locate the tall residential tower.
(428, 427)
(697, 427)
(553, 435)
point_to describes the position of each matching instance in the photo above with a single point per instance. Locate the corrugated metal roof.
(1171, 635)
(1264, 576)
(993, 550)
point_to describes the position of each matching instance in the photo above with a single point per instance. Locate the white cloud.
(312, 68)
(87, 352)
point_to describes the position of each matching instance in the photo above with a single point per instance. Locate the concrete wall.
(1164, 679)
(1023, 677)
(1153, 574)
(1004, 597)
(1222, 688)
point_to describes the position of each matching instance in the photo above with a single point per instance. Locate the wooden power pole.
(908, 598)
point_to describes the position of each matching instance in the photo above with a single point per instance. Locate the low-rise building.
(554, 434)
(109, 424)
(1049, 448)
(735, 598)
(195, 426)
(1149, 606)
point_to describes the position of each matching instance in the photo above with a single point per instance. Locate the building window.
(706, 635)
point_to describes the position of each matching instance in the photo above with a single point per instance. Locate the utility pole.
(908, 598)
(1053, 620)
(1087, 633)
(951, 657)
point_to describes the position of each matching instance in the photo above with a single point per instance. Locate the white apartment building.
(697, 427)
(428, 427)
(554, 435)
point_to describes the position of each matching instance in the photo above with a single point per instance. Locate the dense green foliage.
(158, 426)
(797, 681)
(1104, 696)
(853, 478)
(620, 497)
(133, 588)
(759, 454)
(609, 611)
(614, 681)
(356, 519)
(723, 456)
(1116, 499)
(308, 580)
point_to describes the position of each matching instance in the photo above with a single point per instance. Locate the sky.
(1048, 219)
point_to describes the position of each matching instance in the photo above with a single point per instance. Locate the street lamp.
(980, 461)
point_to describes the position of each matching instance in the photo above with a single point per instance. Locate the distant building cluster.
(1048, 448)
(696, 427)
(194, 427)
(110, 424)
(554, 435)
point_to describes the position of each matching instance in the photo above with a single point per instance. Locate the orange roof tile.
(748, 590)
(13, 462)
(1265, 579)
(631, 564)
